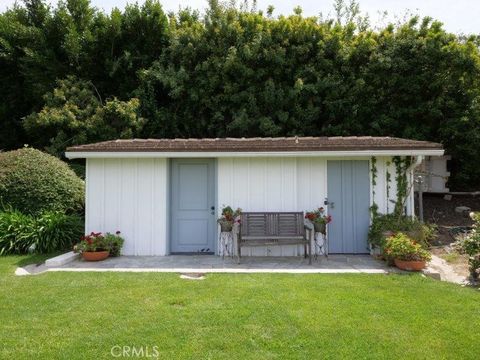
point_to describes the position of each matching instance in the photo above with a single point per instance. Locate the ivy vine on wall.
(388, 179)
(374, 172)
(401, 165)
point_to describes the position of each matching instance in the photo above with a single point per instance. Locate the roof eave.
(220, 154)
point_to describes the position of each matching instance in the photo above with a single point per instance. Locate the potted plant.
(406, 253)
(92, 247)
(319, 219)
(228, 218)
(114, 243)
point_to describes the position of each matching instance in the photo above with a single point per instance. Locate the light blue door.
(192, 206)
(349, 205)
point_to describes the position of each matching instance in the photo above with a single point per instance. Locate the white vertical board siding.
(386, 204)
(292, 184)
(386, 192)
(129, 195)
(272, 184)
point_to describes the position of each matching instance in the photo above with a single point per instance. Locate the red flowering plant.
(91, 243)
(319, 219)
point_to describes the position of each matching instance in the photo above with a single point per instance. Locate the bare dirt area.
(442, 212)
(451, 225)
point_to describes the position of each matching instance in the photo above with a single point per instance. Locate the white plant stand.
(225, 244)
(320, 245)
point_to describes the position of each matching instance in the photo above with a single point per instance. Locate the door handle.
(329, 203)
(212, 208)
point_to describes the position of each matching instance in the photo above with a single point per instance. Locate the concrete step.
(61, 259)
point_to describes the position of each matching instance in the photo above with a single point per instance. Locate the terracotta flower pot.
(226, 227)
(95, 255)
(321, 228)
(410, 265)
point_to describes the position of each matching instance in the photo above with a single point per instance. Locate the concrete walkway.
(444, 271)
(211, 263)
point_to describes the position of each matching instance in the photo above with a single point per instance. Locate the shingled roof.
(280, 144)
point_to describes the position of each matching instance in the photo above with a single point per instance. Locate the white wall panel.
(95, 187)
(129, 195)
(272, 184)
(289, 184)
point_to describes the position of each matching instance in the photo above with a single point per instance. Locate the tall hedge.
(235, 71)
(32, 182)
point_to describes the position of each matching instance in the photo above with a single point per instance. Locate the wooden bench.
(273, 228)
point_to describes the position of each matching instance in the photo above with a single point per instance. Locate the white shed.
(164, 195)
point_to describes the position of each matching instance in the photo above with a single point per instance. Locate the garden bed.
(441, 212)
(450, 225)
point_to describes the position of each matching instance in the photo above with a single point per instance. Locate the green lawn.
(257, 316)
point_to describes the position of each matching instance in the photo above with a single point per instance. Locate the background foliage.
(72, 74)
(73, 114)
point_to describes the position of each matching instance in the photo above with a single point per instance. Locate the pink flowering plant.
(91, 243)
(96, 241)
(319, 219)
(318, 216)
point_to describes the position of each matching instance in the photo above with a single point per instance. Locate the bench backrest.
(272, 225)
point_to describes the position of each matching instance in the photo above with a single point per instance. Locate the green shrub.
(17, 232)
(114, 243)
(418, 231)
(400, 246)
(57, 231)
(43, 233)
(471, 246)
(33, 182)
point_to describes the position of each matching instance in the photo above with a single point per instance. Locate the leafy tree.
(74, 114)
(40, 44)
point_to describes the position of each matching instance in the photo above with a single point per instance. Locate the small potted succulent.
(92, 247)
(319, 219)
(228, 218)
(406, 253)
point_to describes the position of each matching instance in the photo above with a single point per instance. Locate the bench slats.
(272, 224)
(272, 228)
